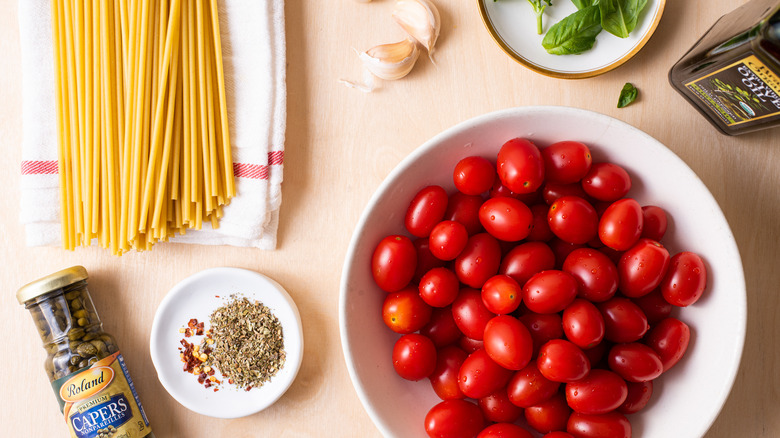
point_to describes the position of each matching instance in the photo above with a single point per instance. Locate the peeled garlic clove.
(420, 19)
(391, 61)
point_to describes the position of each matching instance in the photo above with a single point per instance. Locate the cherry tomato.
(393, 263)
(551, 192)
(508, 342)
(504, 430)
(642, 268)
(597, 354)
(470, 314)
(527, 259)
(465, 209)
(506, 219)
(439, 287)
(549, 291)
(624, 321)
(639, 394)
(444, 378)
(601, 391)
(441, 328)
(621, 224)
(562, 250)
(543, 328)
(654, 306)
(573, 219)
(501, 294)
(686, 279)
(447, 239)
(596, 275)
(566, 161)
(583, 323)
(470, 345)
(558, 434)
(540, 228)
(405, 312)
(479, 375)
(414, 357)
(520, 166)
(635, 362)
(528, 387)
(454, 419)
(425, 259)
(496, 407)
(606, 182)
(479, 260)
(549, 415)
(610, 425)
(474, 175)
(426, 210)
(499, 190)
(562, 361)
(669, 338)
(655, 222)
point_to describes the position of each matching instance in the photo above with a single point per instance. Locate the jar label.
(101, 401)
(741, 92)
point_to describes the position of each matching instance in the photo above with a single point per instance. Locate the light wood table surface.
(340, 145)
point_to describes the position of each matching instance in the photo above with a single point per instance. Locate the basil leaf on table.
(575, 33)
(582, 4)
(627, 95)
(619, 17)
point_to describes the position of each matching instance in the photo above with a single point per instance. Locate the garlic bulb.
(391, 61)
(420, 19)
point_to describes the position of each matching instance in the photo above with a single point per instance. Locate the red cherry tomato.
(501, 294)
(426, 210)
(549, 291)
(562, 250)
(441, 328)
(639, 394)
(606, 182)
(551, 192)
(479, 260)
(520, 166)
(496, 407)
(596, 355)
(621, 224)
(405, 312)
(479, 375)
(655, 222)
(414, 357)
(543, 328)
(444, 378)
(425, 259)
(439, 287)
(601, 391)
(562, 361)
(393, 263)
(504, 430)
(686, 279)
(624, 321)
(635, 362)
(474, 175)
(573, 219)
(566, 161)
(470, 314)
(669, 338)
(540, 228)
(527, 259)
(454, 419)
(654, 306)
(465, 209)
(558, 434)
(447, 239)
(642, 268)
(549, 415)
(506, 219)
(611, 425)
(470, 345)
(596, 275)
(528, 387)
(583, 324)
(508, 342)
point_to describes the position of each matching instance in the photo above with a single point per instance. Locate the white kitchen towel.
(253, 48)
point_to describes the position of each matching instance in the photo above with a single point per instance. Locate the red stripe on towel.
(40, 167)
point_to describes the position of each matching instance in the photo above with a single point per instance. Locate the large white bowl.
(687, 399)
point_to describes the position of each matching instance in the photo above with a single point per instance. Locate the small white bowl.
(687, 399)
(197, 297)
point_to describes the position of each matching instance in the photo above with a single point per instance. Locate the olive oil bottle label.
(100, 401)
(741, 92)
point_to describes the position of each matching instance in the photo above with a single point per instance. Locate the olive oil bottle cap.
(51, 282)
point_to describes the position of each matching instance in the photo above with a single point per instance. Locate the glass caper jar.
(83, 363)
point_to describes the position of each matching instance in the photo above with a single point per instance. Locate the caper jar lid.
(51, 282)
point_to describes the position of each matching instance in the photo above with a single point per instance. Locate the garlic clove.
(420, 19)
(391, 61)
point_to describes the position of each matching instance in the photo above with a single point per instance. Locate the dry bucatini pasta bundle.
(144, 148)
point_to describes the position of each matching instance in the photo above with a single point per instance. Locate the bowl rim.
(741, 311)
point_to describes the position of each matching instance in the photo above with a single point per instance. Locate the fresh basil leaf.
(575, 33)
(627, 95)
(582, 4)
(619, 17)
